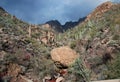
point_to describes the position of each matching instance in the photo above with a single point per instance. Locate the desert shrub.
(19, 55)
(116, 37)
(113, 71)
(73, 44)
(78, 69)
(42, 66)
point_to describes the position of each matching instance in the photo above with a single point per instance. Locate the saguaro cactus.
(29, 31)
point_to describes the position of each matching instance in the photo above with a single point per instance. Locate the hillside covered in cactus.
(87, 51)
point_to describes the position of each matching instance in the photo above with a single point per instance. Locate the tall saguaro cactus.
(29, 31)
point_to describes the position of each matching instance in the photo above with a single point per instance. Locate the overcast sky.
(40, 11)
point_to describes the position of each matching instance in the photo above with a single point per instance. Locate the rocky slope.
(23, 50)
(97, 41)
(100, 10)
(33, 53)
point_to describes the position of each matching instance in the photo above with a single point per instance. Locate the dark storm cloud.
(40, 11)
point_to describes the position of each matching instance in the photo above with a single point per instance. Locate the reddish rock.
(13, 70)
(60, 79)
(63, 72)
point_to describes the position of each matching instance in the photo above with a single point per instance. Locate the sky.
(41, 11)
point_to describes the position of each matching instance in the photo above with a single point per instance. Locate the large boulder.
(65, 56)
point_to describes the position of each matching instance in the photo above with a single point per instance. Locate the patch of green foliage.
(80, 71)
(113, 71)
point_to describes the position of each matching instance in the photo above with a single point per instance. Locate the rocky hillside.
(37, 53)
(97, 42)
(100, 10)
(24, 49)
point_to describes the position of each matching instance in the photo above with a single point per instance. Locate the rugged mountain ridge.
(70, 24)
(55, 24)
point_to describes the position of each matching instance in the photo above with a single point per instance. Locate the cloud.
(40, 11)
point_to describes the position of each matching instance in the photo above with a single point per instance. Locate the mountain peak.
(55, 24)
(2, 9)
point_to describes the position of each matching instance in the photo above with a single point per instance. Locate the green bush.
(73, 44)
(79, 70)
(113, 71)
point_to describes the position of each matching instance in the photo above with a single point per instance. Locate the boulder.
(65, 56)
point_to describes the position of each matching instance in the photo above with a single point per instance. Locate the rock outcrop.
(98, 12)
